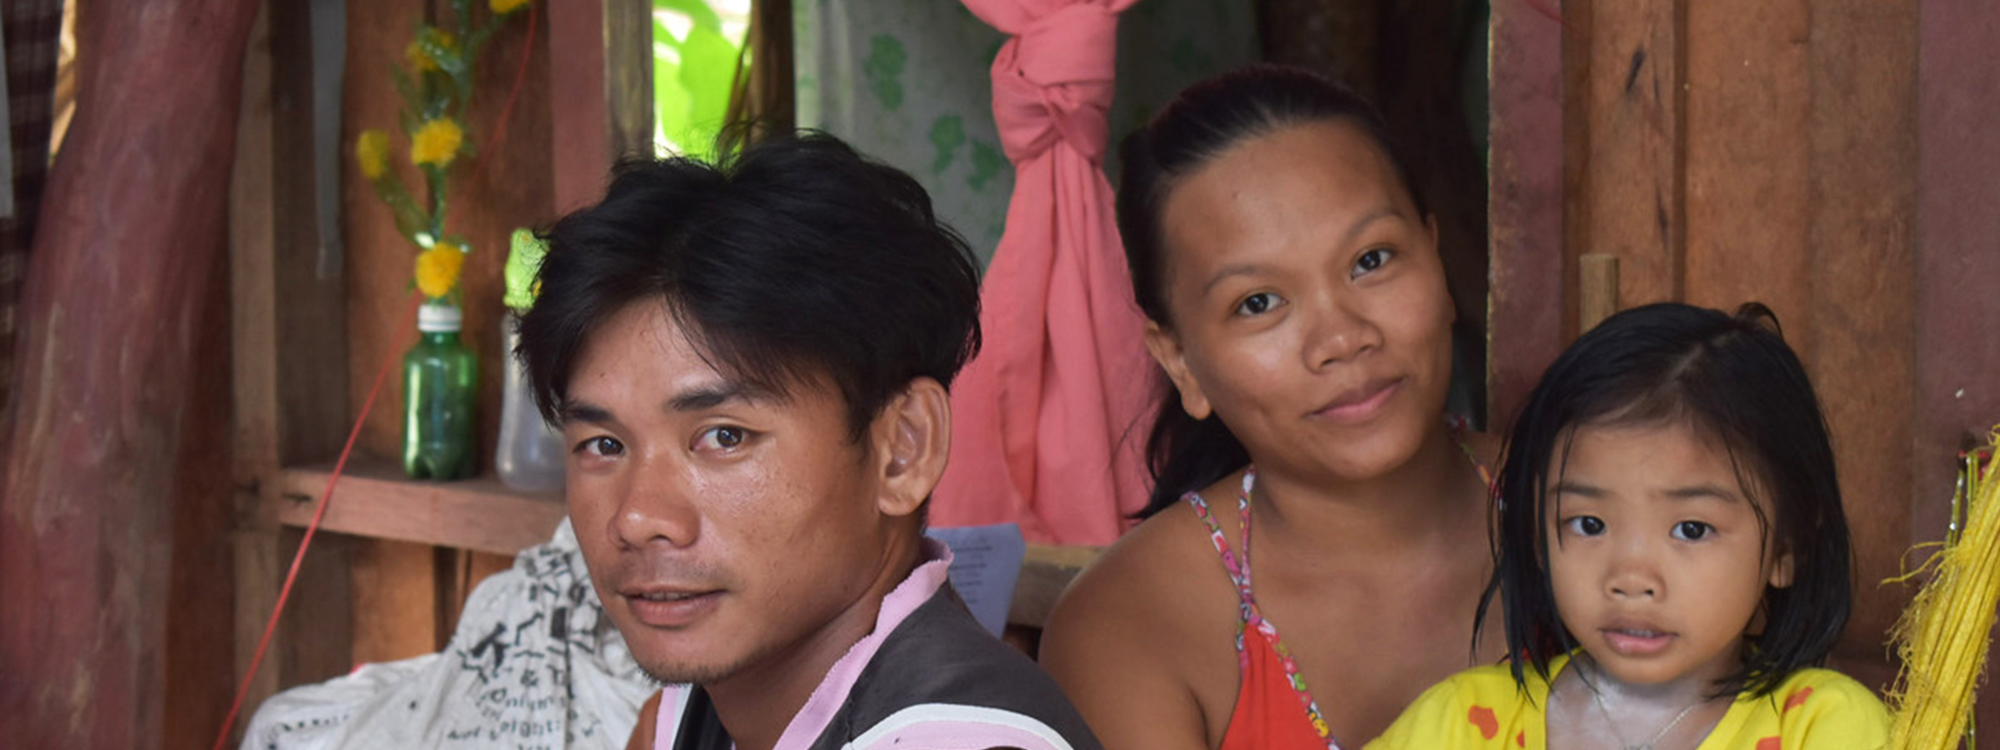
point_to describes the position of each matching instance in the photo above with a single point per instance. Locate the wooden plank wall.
(1770, 150)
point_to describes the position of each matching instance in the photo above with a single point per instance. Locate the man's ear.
(912, 439)
(1166, 349)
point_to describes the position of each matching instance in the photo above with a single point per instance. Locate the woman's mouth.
(1357, 405)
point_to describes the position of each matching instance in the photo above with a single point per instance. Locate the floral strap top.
(1256, 722)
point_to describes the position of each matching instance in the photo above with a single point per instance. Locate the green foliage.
(693, 76)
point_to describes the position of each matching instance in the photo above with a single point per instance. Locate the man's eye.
(724, 437)
(1586, 525)
(1691, 530)
(600, 446)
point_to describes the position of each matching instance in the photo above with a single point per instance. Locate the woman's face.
(1308, 303)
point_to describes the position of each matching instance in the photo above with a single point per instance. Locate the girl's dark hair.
(1206, 120)
(793, 259)
(1732, 379)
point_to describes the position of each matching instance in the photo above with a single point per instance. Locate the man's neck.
(757, 703)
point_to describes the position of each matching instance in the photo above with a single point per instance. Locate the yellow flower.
(438, 268)
(503, 7)
(436, 142)
(419, 60)
(372, 150)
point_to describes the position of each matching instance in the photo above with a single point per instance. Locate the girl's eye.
(1586, 525)
(1370, 261)
(601, 446)
(1258, 304)
(1691, 530)
(722, 438)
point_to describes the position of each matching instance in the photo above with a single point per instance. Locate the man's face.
(725, 527)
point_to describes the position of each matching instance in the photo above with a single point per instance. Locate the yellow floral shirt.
(1483, 709)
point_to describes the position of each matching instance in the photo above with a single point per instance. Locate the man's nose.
(655, 506)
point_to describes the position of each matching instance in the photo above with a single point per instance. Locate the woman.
(1296, 302)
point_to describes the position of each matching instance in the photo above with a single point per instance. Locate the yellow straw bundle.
(1943, 636)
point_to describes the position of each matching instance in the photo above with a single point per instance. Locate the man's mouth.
(671, 607)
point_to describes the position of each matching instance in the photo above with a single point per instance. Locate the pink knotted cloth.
(1047, 423)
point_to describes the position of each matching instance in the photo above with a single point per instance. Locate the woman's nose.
(1339, 333)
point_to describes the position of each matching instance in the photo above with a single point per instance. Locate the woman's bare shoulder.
(1146, 632)
(1149, 575)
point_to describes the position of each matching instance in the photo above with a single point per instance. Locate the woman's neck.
(1400, 507)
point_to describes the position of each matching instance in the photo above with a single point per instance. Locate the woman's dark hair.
(1732, 379)
(1206, 120)
(795, 259)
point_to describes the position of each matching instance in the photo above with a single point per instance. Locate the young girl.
(1673, 558)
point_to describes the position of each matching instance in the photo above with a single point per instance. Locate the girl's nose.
(1635, 571)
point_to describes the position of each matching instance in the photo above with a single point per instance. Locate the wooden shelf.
(375, 499)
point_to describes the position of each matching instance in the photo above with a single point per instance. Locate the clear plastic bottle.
(530, 455)
(440, 399)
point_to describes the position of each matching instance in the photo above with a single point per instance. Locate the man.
(749, 363)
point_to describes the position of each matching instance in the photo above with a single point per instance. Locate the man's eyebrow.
(578, 411)
(712, 395)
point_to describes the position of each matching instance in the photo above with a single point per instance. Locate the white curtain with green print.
(908, 82)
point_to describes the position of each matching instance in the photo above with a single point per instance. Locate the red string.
(520, 76)
(340, 466)
(319, 512)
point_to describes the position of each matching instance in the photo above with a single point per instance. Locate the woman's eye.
(725, 437)
(1586, 525)
(600, 446)
(1369, 261)
(1257, 304)
(1691, 530)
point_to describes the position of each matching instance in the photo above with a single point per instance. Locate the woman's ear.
(912, 437)
(1166, 350)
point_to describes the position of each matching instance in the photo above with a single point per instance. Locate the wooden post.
(133, 217)
(1525, 203)
(1597, 290)
(1958, 259)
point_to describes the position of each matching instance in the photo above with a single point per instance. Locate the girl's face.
(1308, 303)
(1658, 558)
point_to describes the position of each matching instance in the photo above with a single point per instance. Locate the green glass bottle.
(440, 393)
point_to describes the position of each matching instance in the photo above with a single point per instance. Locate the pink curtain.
(1046, 421)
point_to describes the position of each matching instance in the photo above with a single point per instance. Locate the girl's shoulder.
(1812, 708)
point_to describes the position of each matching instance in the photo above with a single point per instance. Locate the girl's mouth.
(1629, 641)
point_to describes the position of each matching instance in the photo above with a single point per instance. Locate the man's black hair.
(1731, 378)
(795, 259)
